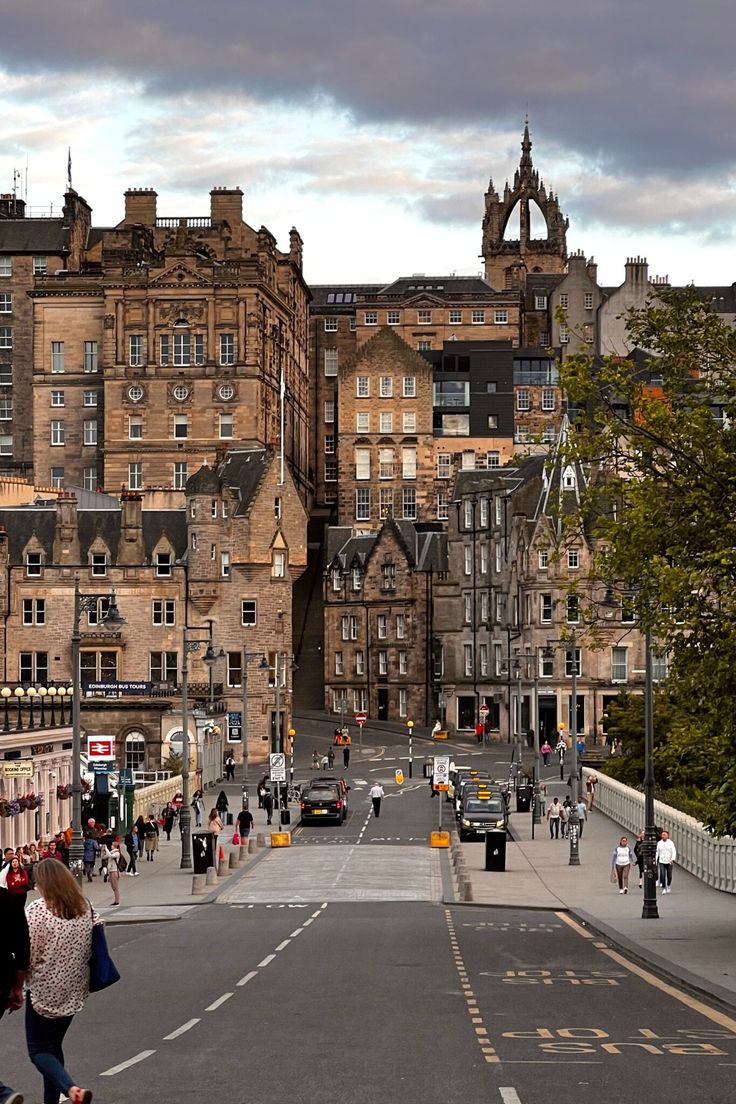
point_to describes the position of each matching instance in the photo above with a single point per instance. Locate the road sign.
(399, 776)
(484, 710)
(125, 776)
(277, 766)
(441, 772)
(19, 768)
(101, 747)
(361, 718)
(102, 766)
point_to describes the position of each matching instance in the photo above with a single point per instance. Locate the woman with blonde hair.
(60, 924)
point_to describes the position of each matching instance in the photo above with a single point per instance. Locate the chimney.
(130, 549)
(295, 247)
(226, 205)
(66, 532)
(11, 207)
(592, 270)
(637, 272)
(140, 207)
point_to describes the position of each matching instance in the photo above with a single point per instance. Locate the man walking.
(582, 811)
(666, 855)
(245, 825)
(554, 816)
(268, 805)
(229, 769)
(376, 793)
(345, 750)
(15, 954)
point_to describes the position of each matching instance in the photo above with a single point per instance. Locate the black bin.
(286, 816)
(523, 799)
(230, 818)
(203, 851)
(496, 851)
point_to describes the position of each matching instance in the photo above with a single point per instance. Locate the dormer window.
(34, 564)
(278, 564)
(163, 564)
(99, 563)
(336, 579)
(569, 481)
(357, 580)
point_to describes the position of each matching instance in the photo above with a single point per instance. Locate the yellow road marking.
(574, 925)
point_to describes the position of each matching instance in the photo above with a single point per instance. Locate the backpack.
(122, 865)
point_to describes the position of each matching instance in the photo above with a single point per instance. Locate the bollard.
(261, 839)
(199, 883)
(243, 852)
(211, 876)
(222, 870)
(252, 846)
(232, 861)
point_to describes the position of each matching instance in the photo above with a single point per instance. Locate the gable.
(179, 275)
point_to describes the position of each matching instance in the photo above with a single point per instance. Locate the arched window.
(135, 751)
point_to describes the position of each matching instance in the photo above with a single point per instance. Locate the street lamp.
(189, 646)
(246, 658)
(531, 660)
(111, 619)
(410, 726)
(277, 732)
(649, 910)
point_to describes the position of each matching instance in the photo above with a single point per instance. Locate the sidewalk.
(694, 939)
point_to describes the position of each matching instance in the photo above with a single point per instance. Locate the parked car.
(482, 813)
(456, 776)
(474, 779)
(333, 780)
(323, 801)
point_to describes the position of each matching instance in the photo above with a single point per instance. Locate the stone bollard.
(232, 861)
(222, 870)
(243, 852)
(199, 883)
(261, 840)
(252, 846)
(211, 876)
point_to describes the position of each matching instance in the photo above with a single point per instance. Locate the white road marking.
(315, 915)
(267, 959)
(180, 1030)
(126, 1065)
(509, 1096)
(308, 922)
(284, 943)
(216, 1004)
(295, 933)
(247, 978)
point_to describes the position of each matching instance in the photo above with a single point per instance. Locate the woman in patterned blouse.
(60, 925)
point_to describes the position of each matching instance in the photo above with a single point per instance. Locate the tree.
(657, 434)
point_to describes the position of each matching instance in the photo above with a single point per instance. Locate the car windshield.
(491, 808)
(321, 793)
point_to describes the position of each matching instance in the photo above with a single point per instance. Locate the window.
(135, 476)
(278, 507)
(588, 334)
(545, 609)
(493, 459)
(362, 463)
(336, 577)
(546, 663)
(468, 513)
(57, 356)
(573, 609)
(98, 611)
(543, 559)
(163, 611)
(501, 317)
(226, 392)
(349, 627)
(135, 393)
(588, 300)
(443, 507)
(660, 665)
(278, 564)
(90, 356)
(34, 611)
(362, 422)
(225, 565)
(89, 398)
(181, 426)
(98, 666)
(363, 387)
(388, 576)
(619, 664)
(57, 433)
(544, 338)
(199, 349)
(455, 317)
(226, 426)
(329, 412)
(468, 660)
(569, 662)
(409, 503)
(357, 580)
(164, 350)
(330, 471)
(227, 349)
(424, 317)
(40, 266)
(331, 362)
(163, 564)
(483, 660)
(409, 422)
(483, 520)
(363, 504)
(628, 610)
(370, 318)
(135, 427)
(330, 443)
(548, 399)
(339, 668)
(564, 301)
(477, 317)
(248, 612)
(235, 668)
(484, 607)
(400, 626)
(403, 702)
(182, 350)
(360, 662)
(564, 334)
(497, 555)
(386, 423)
(493, 421)
(382, 662)
(443, 465)
(386, 463)
(409, 387)
(483, 558)
(360, 701)
(181, 475)
(57, 398)
(408, 463)
(99, 563)
(382, 626)
(467, 560)
(89, 478)
(6, 408)
(523, 399)
(424, 346)
(573, 559)
(403, 663)
(136, 350)
(90, 431)
(6, 302)
(33, 667)
(540, 302)
(6, 444)
(6, 266)
(386, 502)
(164, 667)
(330, 325)
(467, 608)
(393, 317)
(57, 477)
(386, 387)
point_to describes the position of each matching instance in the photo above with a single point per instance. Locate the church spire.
(526, 146)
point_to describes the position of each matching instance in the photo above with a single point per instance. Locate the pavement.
(694, 940)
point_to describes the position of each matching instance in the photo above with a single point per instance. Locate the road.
(334, 971)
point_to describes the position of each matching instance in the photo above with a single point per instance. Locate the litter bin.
(496, 851)
(286, 816)
(428, 766)
(203, 851)
(230, 819)
(523, 799)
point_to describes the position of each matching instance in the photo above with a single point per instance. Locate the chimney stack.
(66, 533)
(130, 550)
(140, 207)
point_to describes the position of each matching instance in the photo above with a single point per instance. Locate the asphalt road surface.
(334, 971)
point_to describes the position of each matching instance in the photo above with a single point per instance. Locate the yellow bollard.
(281, 839)
(439, 839)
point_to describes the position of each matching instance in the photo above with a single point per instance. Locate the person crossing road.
(376, 793)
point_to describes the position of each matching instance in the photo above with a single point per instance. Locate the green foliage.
(661, 507)
(174, 764)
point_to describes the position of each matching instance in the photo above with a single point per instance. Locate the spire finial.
(526, 145)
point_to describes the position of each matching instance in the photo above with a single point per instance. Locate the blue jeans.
(665, 875)
(44, 1037)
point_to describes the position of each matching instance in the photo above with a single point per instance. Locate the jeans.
(665, 875)
(554, 827)
(132, 857)
(44, 1037)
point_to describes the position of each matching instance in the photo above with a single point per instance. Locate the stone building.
(378, 620)
(221, 566)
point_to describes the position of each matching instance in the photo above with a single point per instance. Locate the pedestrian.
(582, 811)
(315, 766)
(150, 837)
(215, 826)
(198, 806)
(324, 762)
(17, 882)
(432, 790)
(14, 957)
(230, 769)
(346, 752)
(141, 826)
(580, 746)
(554, 815)
(268, 805)
(437, 728)
(590, 784)
(622, 860)
(666, 855)
(222, 804)
(376, 793)
(89, 854)
(168, 816)
(263, 785)
(245, 825)
(565, 817)
(131, 846)
(639, 856)
(546, 750)
(111, 855)
(330, 758)
(479, 732)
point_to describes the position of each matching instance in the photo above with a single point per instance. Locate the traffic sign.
(399, 776)
(361, 718)
(101, 747)
(441, 772)
(484, 710)
(277, 766)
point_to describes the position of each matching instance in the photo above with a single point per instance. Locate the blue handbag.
(102, 970)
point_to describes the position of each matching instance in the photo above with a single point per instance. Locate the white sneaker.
(621, 891)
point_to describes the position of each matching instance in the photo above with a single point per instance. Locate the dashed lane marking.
(247, 978)
(216, 1004)
(267, 959)
(180, 1030)
(282, 944)
(509, 1096)
(296, 932)
(126, 1065)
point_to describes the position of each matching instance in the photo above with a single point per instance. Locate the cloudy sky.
(374, 127)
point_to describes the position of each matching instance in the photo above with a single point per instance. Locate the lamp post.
(650, 910)
(531, 660)
(277, 732)
(111, 619)
(410, 726)
(247, 657)
(292, 734)
(189, 646)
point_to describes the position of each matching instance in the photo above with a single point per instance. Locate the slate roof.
(443, 286)
(426, 550)
(242, 471)
(39, 236)
(340, 295)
